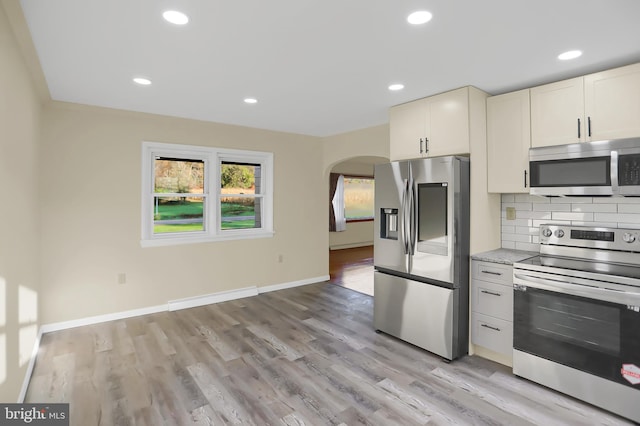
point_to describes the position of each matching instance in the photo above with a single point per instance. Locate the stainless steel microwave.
(602, 168)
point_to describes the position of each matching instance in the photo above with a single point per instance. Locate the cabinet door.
(448, 123)
(508, 142)
(406, 128)
(492, 299)
(492, 333)
(557, 113)
(612, 103)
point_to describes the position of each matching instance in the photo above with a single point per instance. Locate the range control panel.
(588, 237)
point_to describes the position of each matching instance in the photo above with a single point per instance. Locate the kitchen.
(588, 198)
(90, 272)
(566, 318)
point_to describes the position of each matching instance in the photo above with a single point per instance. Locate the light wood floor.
(301, 356)
(352, 268)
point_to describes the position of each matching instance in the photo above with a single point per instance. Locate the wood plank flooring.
(352, 268)
(301, 356)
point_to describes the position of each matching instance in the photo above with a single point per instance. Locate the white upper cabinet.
(430, 127)
(612, 103)
(508, 142)
(448, 125)
(557, 113)
(407, 128)
(604, 105)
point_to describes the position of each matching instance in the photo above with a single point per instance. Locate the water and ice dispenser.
(389, 224)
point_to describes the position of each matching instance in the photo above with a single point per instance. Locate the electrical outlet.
(511, 213)
(122, 278)
(280, 258)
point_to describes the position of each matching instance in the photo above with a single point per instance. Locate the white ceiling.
(316, 67)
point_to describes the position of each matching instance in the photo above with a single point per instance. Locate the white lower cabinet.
(492, 333)
(492, 306)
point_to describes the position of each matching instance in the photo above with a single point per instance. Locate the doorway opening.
(352, 268)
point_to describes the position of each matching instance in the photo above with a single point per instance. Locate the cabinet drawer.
(493, 272)
(492, 333)
(492, 299)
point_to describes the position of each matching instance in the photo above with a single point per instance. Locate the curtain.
(337, 220)
(333, 185)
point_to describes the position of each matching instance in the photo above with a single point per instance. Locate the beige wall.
(90, 215)
(485, 207)
(19, 273)
(358, 234)
(370, 142)
(355, 167)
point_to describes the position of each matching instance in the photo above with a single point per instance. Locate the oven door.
(584, 324)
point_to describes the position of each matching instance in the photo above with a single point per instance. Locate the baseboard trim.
(57, 326)
(208, 299)
(352, 245)
(174, 305)
(274, 287)
(225, 296)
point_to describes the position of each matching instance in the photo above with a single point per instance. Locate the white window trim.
(212, 157)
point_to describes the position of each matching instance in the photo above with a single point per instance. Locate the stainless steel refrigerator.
(421, 253)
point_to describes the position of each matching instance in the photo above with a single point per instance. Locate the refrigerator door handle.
(413, 224)
(404, 224)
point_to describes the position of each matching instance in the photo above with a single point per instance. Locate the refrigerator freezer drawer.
(418, 313)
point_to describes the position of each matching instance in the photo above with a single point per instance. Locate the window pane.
(177, 214)
(240, 212)
(358, 198)
(239, 178)
(179, 176)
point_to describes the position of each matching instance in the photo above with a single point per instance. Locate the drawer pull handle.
(488, 326)
(491, 272)
(490, 292)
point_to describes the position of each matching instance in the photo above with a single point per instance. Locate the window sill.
(359, 220)
(182, 239)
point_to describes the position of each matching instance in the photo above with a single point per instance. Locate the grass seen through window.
(191, 211)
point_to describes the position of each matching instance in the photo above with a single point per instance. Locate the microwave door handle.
(564, 287)
(614, 172)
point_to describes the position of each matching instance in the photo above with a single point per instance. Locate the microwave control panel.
(629, 170)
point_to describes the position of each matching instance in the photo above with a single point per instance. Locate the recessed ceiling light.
(571, 54)
(250, 100)
(142, 81)
(396, 86)
(419, 17)
(175, 17)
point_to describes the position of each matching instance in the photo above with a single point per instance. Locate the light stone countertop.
(504, 256)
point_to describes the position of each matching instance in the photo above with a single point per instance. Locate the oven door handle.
(621, 297)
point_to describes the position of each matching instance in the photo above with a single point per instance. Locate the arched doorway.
(351, 250)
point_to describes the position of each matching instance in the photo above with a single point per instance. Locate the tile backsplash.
(531, 211)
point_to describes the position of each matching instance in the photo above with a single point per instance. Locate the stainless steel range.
(577, 316)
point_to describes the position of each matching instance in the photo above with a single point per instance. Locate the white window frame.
(213, 158)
